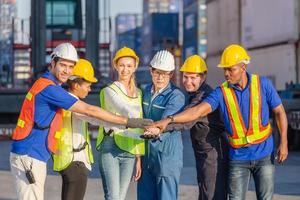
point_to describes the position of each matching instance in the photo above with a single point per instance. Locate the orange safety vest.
(256, 132)
(26, 118)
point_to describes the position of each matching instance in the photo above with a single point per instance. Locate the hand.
(162, 124)
(138, 169)
(282, 152)
(138, 122)
(151, 133)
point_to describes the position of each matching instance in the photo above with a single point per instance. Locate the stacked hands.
(152, 129)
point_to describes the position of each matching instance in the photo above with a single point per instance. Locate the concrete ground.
(287, 180)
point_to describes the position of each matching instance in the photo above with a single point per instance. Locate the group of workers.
(140, 130)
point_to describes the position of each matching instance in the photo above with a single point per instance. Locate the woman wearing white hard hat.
(162, 162)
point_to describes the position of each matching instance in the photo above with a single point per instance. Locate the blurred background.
(31, 29)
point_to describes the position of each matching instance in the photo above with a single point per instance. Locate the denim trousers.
(262, 171)
(116, 168)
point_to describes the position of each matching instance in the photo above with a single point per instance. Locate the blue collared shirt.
(269, 99)
(46, 104)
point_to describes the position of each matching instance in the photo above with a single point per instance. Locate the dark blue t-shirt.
(269, 98)
(46, 104)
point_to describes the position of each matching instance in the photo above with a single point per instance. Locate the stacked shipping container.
(269, 29)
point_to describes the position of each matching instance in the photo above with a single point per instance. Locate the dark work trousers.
(210, 150)
(74, 180)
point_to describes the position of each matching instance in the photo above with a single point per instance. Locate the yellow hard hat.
(85, 70)
(232, 55)
(194, 64)
(126, 52)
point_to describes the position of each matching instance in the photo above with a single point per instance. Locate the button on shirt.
(269, 99)
(47, 102)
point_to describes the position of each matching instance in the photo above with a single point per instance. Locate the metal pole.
(92, 32)
(38, 36)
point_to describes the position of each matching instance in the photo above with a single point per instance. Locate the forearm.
(96, 112)
(97, 122)
(282, 124)
(192, 114)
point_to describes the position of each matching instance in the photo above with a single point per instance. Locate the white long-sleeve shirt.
(78, 121)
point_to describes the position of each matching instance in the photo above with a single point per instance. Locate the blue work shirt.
(163, 157)
(47, 102)
(269, 99)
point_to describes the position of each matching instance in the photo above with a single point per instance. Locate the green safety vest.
(126, 139)
(64, 156)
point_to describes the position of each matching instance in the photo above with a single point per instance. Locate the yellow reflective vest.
(126, 139)
(256, 132)
(64, 156)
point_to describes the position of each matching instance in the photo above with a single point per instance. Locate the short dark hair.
(77, 80)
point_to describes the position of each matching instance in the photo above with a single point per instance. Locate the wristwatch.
(171, 117)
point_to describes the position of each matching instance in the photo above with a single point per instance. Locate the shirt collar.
(161, 90)
(50, 76)
(73, 95)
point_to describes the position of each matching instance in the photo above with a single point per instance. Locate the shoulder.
(176, 92)
(206, 89)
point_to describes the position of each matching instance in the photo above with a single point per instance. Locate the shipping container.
(160, 31)
(194, 29)
(269, 22)
(127, 22)
(222, 25)
(215, 75)
(278, 63)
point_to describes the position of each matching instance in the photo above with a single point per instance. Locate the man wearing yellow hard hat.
(244, 100)
(207, 135)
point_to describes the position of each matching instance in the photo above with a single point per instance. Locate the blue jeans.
(116, 168)
(263, 174)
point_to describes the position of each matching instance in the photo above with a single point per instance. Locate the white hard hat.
(163, 60)
(66, 51)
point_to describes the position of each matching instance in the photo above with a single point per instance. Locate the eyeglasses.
(162, 74)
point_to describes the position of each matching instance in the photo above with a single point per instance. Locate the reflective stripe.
(234, 112)
(255, 133)
(157, 106)
(29, 96)
(20, 123)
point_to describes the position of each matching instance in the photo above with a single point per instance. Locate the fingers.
(138, 174)
(281, 155)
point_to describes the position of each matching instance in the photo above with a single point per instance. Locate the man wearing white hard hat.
(162, 163)
(40, 123)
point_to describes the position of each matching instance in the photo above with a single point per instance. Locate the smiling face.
(125, 67)
(192, 81)
(62, 69)
(234, 74)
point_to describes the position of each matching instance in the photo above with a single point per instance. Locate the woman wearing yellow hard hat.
(119, 148)
(74, 156)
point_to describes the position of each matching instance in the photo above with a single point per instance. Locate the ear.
(244, 67)
(52, 65)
